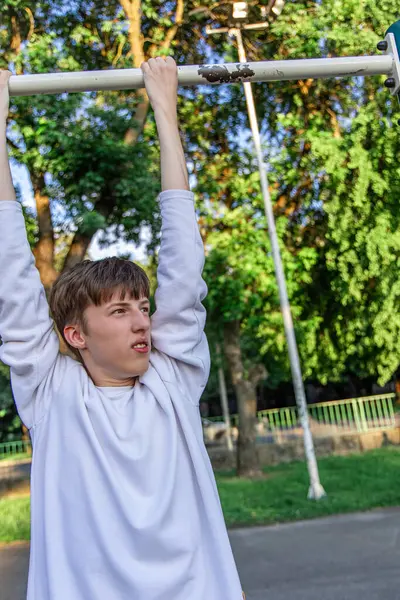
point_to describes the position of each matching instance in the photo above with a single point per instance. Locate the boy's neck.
(108, 384)
(102, 380)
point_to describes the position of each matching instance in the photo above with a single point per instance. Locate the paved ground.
(13, 571)
(14, 476)
(354, 557)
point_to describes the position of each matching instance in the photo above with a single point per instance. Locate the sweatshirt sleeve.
(30, 345)
(179, 320)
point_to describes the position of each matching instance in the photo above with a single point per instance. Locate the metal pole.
(224, 400)
(316, 491)
(279, 70)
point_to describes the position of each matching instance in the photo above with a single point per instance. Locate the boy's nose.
(140, 322)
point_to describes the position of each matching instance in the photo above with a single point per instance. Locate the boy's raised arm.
(7, 191)
(178, 323)
(29, 342)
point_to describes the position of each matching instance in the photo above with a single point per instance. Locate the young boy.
(124, 501)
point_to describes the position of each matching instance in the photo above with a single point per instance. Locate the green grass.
(353, 483)
(14, 519)
(16, 457)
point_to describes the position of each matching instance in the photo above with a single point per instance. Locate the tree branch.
(132, 9)
(77, 250)
(32, 23)
(171, 33)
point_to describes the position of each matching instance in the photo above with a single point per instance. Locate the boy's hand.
(4, 96)
(161, 81)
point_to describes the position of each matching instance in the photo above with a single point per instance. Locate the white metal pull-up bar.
(279, 70)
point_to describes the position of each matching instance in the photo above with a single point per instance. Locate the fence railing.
(15, 449)
(327, 418)
(338, 416)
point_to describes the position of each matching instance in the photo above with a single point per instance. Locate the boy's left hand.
(161, 81)
(4, 96)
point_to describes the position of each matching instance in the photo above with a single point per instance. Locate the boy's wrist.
(167, 125)
(166, 113)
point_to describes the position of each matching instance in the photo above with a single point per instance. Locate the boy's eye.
(145, 309)
(118, 311)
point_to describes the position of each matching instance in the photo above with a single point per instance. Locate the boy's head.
(102, 311)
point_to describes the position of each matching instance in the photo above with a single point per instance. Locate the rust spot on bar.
(220, 74)
(359, 72)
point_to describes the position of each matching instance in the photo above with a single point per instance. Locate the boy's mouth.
(141, 347)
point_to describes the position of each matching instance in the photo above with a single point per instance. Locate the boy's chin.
(141, 370)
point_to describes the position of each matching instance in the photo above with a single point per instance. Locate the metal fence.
(15, 449)
(327, 418)
(336, 417)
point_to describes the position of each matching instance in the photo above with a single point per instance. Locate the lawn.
(14, 519)
(353, 483)
(16, 457)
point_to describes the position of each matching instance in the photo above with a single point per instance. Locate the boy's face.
(116, 345)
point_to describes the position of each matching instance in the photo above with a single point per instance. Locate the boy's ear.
(75, 337)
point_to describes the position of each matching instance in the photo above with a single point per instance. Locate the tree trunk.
(26, 437)
(77, 250)
(248, 464)
(44, 250)
(397, 385)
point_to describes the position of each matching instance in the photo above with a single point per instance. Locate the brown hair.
(94, 282)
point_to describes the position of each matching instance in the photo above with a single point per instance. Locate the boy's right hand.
(161, 82)
(4, 95)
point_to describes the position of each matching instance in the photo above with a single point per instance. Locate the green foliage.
(90, 222)
(31, 226)
(10, 424)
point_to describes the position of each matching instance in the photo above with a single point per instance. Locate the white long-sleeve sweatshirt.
(124, 504)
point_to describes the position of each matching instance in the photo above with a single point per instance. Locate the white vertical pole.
(316, 491)
(224, 399)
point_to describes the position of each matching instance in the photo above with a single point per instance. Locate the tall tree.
(91, 160)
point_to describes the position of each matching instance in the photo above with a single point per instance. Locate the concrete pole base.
(316, 492)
